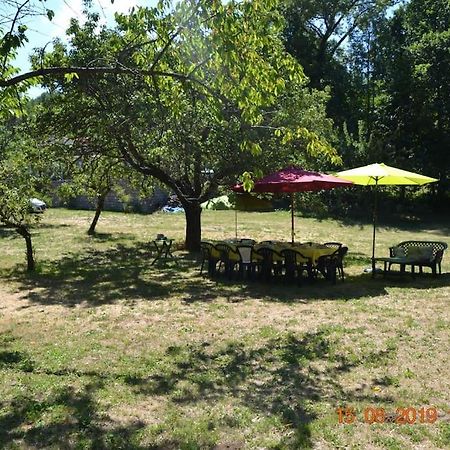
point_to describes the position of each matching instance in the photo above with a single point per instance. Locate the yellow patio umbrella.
(381, 174)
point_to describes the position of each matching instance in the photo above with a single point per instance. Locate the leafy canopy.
(190, 88)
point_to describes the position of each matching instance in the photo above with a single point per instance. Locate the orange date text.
(401, 416)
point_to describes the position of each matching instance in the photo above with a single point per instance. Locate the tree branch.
(55, 71)
(13, 24)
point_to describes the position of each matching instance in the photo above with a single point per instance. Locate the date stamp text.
(401, 416)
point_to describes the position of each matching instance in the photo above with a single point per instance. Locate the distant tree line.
(386, 65)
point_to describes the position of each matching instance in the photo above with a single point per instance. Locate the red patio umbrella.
(295, 179)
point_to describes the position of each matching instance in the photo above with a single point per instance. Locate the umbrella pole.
(292, 217)
(375, 206)
(235, 222)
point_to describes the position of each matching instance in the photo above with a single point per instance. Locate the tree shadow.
(8, 233)
(32, 419)
(52, 226)
(281, 377)
(353, 288)
(125, 273)
(99, 277)
(414, 224)
(83, 424)
(110, 237)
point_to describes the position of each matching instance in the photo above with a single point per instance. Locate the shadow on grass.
(438, 224)
(8, 233)
(63, 417)
(110, 237)
(125, 273)
(98, 277)
(78, 424)
(353, 288)
(276, 376)
(51, 226)
(282, 377)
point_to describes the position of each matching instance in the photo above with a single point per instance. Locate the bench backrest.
(437, 247)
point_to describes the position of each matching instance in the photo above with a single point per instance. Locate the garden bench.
(415, 253)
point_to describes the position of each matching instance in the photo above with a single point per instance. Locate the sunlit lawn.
(99, 349)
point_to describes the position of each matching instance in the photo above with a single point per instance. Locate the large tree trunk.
(22, 230)
(100, 204)
(193, 213)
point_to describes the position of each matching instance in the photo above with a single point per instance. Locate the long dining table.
(313, 251)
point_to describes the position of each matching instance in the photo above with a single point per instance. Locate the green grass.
(98, 349)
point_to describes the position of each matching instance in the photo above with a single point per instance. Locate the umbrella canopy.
(376, 174)
(295, 179)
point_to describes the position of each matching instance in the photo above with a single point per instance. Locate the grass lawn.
(98, 349)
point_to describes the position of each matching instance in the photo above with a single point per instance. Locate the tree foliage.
(386, 63)
(317, 34)
(411, 89)
(23, 175)
(227, 79)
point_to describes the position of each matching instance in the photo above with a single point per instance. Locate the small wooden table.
(162, 247)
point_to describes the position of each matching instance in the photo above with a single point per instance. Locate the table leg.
(168, 252)
(158, 253)
(310, 270)
(163, 251)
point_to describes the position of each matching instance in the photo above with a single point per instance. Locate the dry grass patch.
(101, 350)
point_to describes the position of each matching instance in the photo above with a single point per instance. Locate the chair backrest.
(337, 257)
(267, 254)
(333, 244)
(266, 242)
(206, 248)
(206, 251)
(247, 241)
(224, 250)
(245, 252)
(289, 256)
(293, 256)
(341, 252)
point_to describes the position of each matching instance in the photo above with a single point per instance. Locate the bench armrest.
(391, 251)
(439, 255)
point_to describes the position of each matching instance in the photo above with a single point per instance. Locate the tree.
(13, 15)
(87, 172)
(427, 24)
(21, 171)
(317, 34)
(21, 175)
(411, 93)
(194, 131)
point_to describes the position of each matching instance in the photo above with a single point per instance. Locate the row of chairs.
(266, 263)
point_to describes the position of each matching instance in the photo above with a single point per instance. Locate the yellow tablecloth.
(313, 252)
